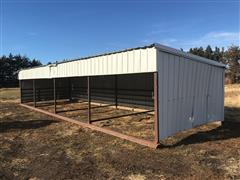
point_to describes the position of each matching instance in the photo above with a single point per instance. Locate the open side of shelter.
(95, 99)
(143, 94)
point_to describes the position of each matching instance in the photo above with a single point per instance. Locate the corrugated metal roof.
(187, 55)
(97, 55)
(156, 45)
(135, 60)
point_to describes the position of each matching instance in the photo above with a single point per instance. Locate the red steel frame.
(34, 93)
(152, 144)
(156, 108)
(89, 99)
(20, 87)
(54, 95)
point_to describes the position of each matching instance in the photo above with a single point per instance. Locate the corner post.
(70, 89)
(116, 91)
(89, 98)
(156, 114)
(34, 93)
(54, 95)
(20, 88)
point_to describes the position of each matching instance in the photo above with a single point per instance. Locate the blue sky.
(51, 30)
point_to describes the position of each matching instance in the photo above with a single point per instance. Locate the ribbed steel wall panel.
(43, 72)
(128, 62)
(190, 93)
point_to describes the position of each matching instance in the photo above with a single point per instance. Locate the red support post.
(20, 88)
(34, 93)
(89, 98)
(69, 89)
(116, 91)
(156, 119)
(54, 95)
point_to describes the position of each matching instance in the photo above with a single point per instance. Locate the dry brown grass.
(232, 102)
(232, 95)
(9, 94)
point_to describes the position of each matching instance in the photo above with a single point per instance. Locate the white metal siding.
(133, 61)
(188, 90)
(42, 72)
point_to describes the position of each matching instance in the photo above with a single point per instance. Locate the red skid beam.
(143, 142)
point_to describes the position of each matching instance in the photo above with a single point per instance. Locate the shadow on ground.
(232, 114)
(230, 128)
(17, 125)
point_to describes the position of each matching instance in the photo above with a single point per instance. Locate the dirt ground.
(35, 146)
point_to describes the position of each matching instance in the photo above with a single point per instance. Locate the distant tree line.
(230, 57)
(11, 64)
(9, 67)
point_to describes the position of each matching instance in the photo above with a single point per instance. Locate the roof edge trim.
(188, 55)
(158, 46)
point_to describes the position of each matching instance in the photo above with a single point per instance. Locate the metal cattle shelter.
(180, 90)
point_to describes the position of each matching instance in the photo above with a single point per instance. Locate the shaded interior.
(123, 103)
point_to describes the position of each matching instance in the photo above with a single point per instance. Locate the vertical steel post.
(223, 92)
(89, 98)
(54, 95)
(156, 114)
(20, 88)
(116, 91)
(69, 89)
(34, 93)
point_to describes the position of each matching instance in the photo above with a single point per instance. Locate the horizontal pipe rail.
(94, 88)
(124, 115)
(143, 142)
(79, 109)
